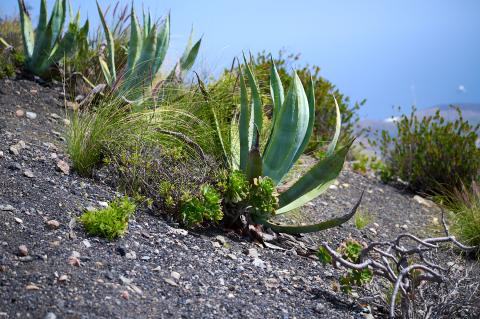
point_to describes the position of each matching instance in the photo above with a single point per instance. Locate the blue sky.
(393, 53)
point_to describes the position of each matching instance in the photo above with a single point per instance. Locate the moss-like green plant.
(206, 207)
(110, 222)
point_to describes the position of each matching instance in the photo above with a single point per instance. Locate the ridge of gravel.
(157, 270)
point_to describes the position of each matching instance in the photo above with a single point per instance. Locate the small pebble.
(31, 115)
(23, 250)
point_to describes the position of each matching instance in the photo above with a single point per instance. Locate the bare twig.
(406, 268)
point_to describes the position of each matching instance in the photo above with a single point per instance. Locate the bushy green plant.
(205, 207)
(431, 154)
(91, 130)
(287, 136)
(465, 217)
(110, 222)
(11, 57)
(326, 116)
(47, 44)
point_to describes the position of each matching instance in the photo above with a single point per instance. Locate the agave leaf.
(288, 133)
(299, 229)
(278, 95)
(27, 29)
(254, 164)
(163, 41)
(66, 45)
(106, 72)
(333, 143)
(243, 128)
(57, 19)
(110, 48)
(257, 113)
(42, 23)
(143, 70)
(190, 57)
(311, 120)
(276, 90)
(135, 43)
(314, 182)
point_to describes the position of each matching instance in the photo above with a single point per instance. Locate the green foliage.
(362, 219)
(89, 132)
(465, 217)
(324, 256)
(110, 222)
(234, 186)
(206, 207)
(325, 114)
(47, 44)
(361, 164)
(351, 250)
(11, 57)
(263, 197)
(147, 49)
(431, 154)
(287, 136)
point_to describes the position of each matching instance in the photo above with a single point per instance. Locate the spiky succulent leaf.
(243, 127)
(110, 48)
(27, 29)
(163, 41)
(65, 46)
(257, 114)
(42, 22)
(276, 90)
(338, 125)
(135, 43)
(106, 71)
(57, 19)
(288, 133)
(298, 229)
(314, 182)
(190, 57)
(254, 164)
(311, 120)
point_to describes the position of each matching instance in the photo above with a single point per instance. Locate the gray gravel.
(157, 270)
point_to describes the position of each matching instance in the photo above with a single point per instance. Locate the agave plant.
(147, 48)
(47, 44)
(289, 132)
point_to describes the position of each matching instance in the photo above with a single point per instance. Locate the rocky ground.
(50, 269)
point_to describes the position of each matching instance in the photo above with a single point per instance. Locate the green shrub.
(11, 57)
(205, 207)
(431, 154)
(465, 218)
(110, 222)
